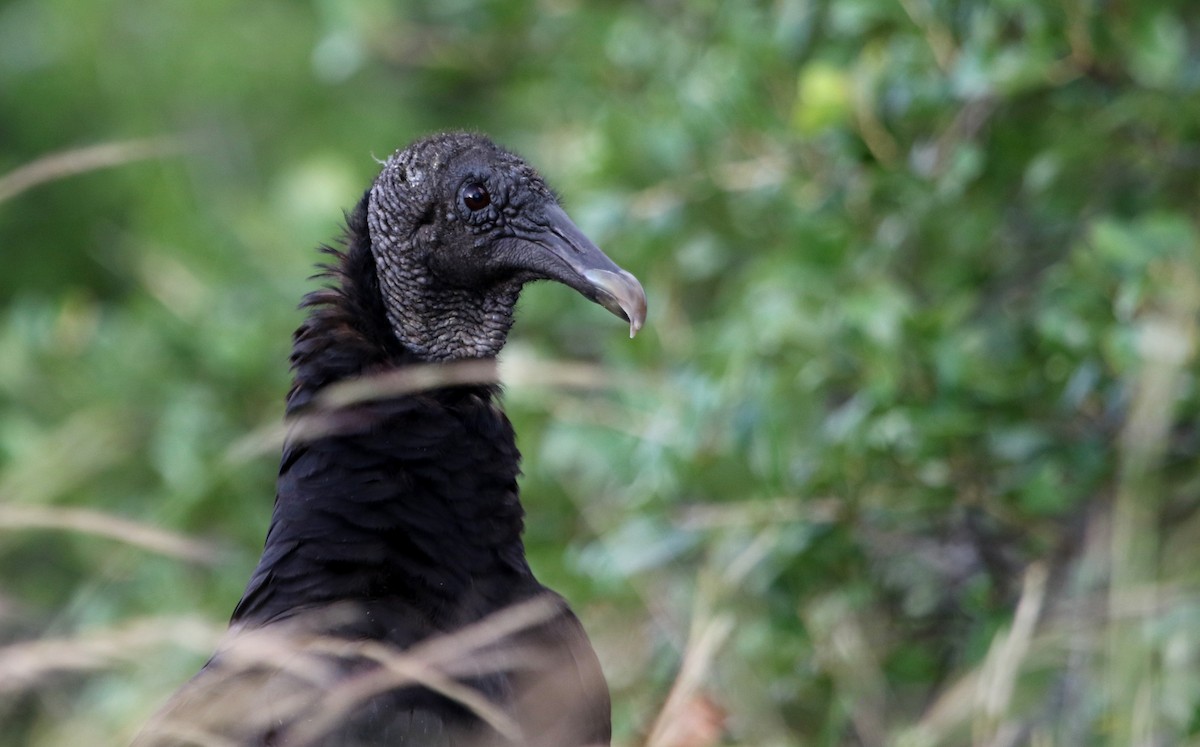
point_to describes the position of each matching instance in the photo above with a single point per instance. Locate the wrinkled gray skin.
(450, 290)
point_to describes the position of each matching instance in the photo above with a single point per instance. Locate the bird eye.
(476, 197)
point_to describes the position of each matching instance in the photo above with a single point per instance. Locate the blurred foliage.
(924, 279)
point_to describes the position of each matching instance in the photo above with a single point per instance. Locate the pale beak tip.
(620, 293)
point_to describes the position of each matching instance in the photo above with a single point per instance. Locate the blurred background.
(906, 454)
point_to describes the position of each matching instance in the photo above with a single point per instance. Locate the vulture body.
(393, 604)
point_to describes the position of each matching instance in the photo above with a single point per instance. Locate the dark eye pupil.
(476, 197)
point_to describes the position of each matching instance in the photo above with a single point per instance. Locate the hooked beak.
(573, 260)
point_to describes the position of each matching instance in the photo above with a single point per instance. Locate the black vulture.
(393, 603)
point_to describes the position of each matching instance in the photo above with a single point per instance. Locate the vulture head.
(457, 225)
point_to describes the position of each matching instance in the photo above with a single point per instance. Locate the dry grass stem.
(1166, 345)
(26, 664)
(785, 509)
(66, 456)
(998, 675)
(327, 418)
(949, 711)
(408, 380)
(100, 524)
(397, 670)
(491, 629)
(252, 658)
(937, 36)
(848, 655)
(674, 723)
(538, 375)
(82, 160)
(751, 555)
(187, 734)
